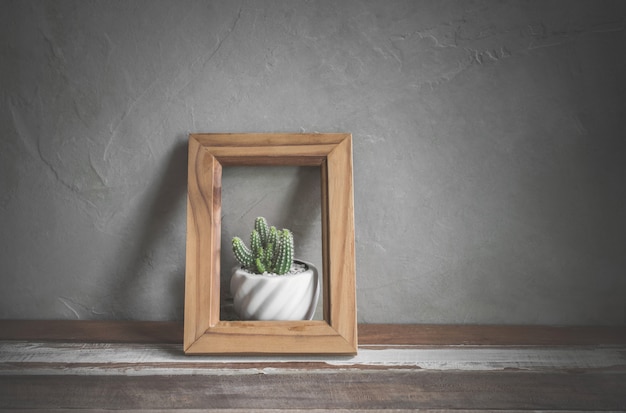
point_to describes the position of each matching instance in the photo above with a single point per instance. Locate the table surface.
(63, 365)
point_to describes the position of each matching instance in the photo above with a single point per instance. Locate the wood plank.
(267, 139)
(502, 335)
(202, 270)
(340, 242)
(340, 390)
(32, 358)
(69, 375)
(272, 337)
(91, 331)
(369, 334)
(304, 155)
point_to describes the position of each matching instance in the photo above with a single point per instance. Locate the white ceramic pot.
(275, 297)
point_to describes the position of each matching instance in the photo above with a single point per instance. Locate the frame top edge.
(268, 139)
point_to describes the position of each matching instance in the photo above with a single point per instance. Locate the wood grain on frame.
(204, 333)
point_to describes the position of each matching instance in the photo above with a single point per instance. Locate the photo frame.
(204, 332)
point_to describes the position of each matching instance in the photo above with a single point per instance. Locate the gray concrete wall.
(489, 150)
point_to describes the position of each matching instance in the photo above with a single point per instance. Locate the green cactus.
(255, 243)
(242, 253)
(271, 250)
(285, 253)
(260, 225)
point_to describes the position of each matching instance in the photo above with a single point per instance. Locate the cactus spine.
(270, 250)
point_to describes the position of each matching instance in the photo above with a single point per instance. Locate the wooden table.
(59, 365)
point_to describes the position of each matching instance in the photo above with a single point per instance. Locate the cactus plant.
(270, 250)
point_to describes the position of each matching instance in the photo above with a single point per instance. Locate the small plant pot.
(275, 297)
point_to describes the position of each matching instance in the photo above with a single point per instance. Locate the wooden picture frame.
(204, 332)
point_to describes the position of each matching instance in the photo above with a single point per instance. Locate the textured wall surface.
(489, 150)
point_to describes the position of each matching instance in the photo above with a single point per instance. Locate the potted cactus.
(268, 284)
